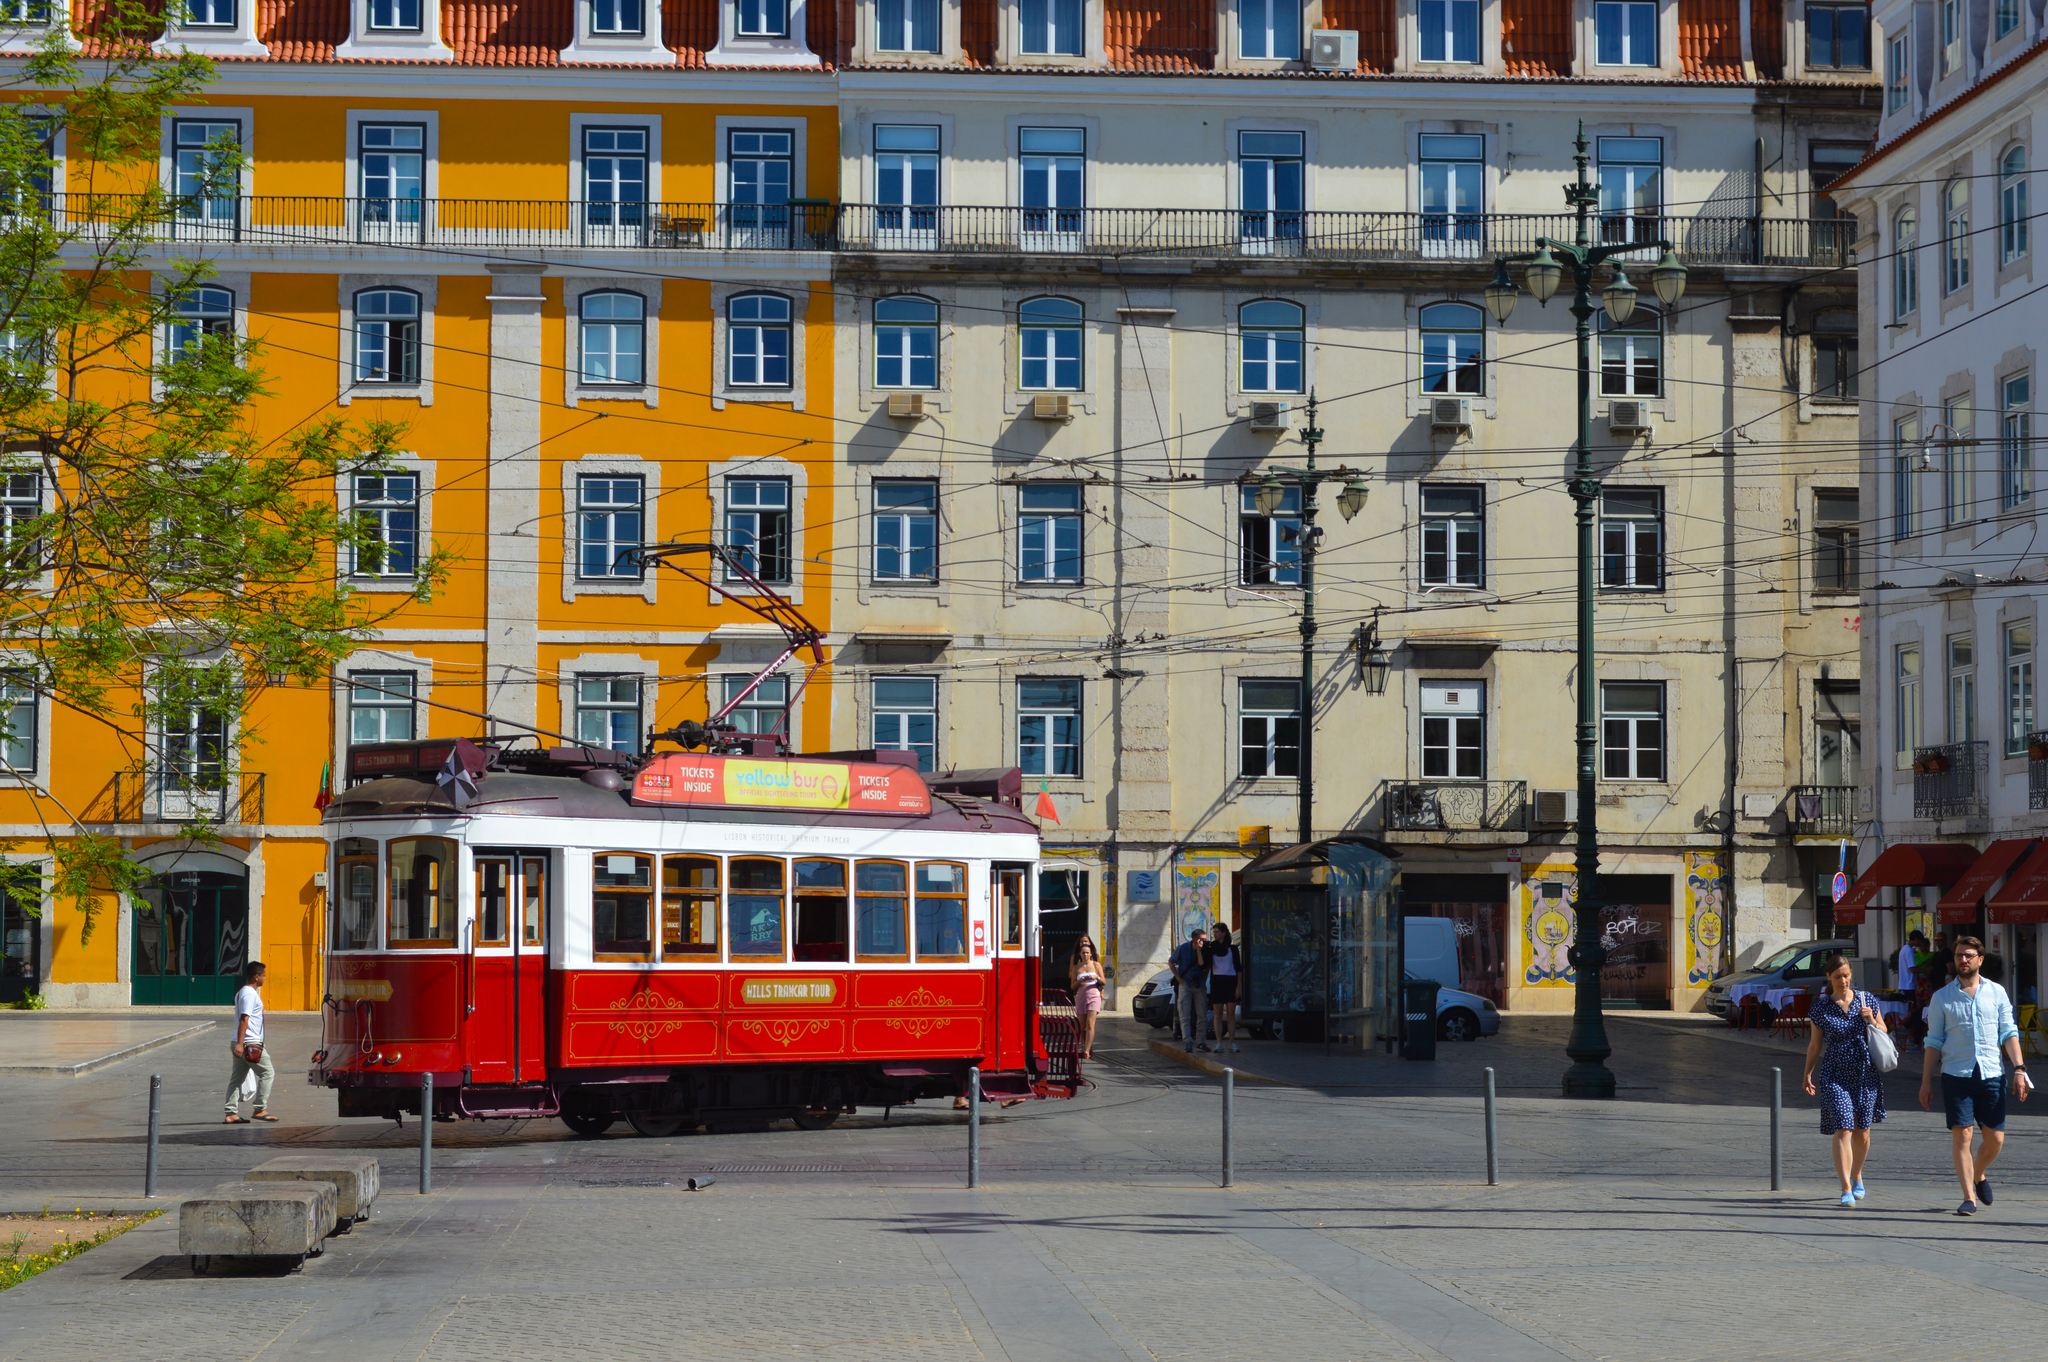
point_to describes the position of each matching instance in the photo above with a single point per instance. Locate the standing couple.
(1971, 1036)
(1205, 982)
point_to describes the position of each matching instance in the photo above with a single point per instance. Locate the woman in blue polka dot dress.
(1848, 1084)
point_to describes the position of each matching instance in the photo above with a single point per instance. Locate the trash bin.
(1418, 998)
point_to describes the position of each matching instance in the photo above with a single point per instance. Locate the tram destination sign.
(849, 786)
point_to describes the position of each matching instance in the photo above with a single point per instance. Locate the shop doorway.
(1478, 904)
(1635, 926)
(191, 940)
(1062, 921)
(21, 951)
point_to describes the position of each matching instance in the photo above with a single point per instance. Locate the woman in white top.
(1225, 969)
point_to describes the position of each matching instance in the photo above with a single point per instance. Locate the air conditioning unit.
(1269, 416)
(908, 406)
(1557, 806)
(1333, 49)
(1450, 413)
(1052, 407)
(1629, 416)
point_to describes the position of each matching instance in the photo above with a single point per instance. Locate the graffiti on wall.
(1549, 918)
(1706, 915)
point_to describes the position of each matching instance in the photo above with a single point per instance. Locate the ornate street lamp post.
(1544, 271)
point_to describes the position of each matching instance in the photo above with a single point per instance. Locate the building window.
(906, 531)
(391, 163)
(614, 176)
(1453, 536)
(1838, 36)
(906, 343)
(1269, 30)
(2016, 442)
(1050, 178)
(1837, 732)
(1268, 729)
(1050, 27)
(21, 510)
(1049, 532)
(208, 14)
(760, 174)
(18, 722)
(1631, 539)
(387, 336)
(1835, 356)
(620, 18)
(1955, 236)
(24, 13)
(1632, 355)
(2019, 687)
(1958, 468)
(2005, 18)
(614, 337)
(1454, 730)
(757, 526)
(1453, 183)
(907, 717)
(1905, 477)
(200, 314)
(1269, 546)
(1269, 334)
(1049, 726)
(1906, 702)
(1449, 30)
(1897, 87)
(206, 170)
(1627, 32)
(387, 512)
(395, 16)
(1962, 689)
(380, 707)
(1631, 189)
(1049, 345)
(765, 710)
(608, 712)
(2012, 205)
(907, 25)
(608, 507)
(1951, 36)
(1453, 349)
(757, 340)
(1835, 543)
(762, 18)
(906, 178)
(1905, 265)
(1632, 730)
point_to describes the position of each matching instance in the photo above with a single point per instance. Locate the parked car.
(1464, 1016)
(1793, 967)
(1154, 1003)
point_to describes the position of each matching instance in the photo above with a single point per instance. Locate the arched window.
(199, 313)
(757, 332)
(1905, 264)
(2012, 205)
(387, 336)
(613, 335)
(1453, 349)
(1049, 345)
(906, 342)
(1632, 355)
(1269, 334)
(1955, 236)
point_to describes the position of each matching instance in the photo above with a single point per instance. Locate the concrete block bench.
(355, 1179)
(256, 1220)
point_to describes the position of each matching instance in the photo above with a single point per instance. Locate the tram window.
(533, 901)
(754, 909)
(821, 911)
(689, 907)
(621, 906)
(941, 911)
(883, 894)
(1013, 907)
(492, 875)
(355, 908)
(420, 912)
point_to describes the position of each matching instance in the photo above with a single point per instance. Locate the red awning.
(2025, 896)
(1960, 903)
(1909, 863)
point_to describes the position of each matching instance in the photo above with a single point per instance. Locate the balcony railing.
(1454, 805)
(1823, 810)
(2037, 771)
(168, 796)
(1950, 781)
(284, 220)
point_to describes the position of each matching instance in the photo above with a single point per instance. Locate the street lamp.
(1544, 271)
(1373, 658)
(1268, 496)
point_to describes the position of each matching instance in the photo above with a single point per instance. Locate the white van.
(1431, 949)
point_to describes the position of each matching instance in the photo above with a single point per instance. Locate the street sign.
(1840, 888)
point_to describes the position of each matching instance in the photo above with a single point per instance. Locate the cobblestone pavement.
(1360, 1226)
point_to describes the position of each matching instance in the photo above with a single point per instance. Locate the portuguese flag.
(1045, 807)
(325, 796)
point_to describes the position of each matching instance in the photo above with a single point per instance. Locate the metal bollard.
(426, 1133)
(1492, 1135)
(1229, 1102)
(1777, 1130)
(156, 1117)
(974, 1126)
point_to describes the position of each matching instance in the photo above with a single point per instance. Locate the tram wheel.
(656, 1127)
(814, 1120)
(589, 1127)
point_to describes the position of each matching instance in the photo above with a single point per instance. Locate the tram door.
(505, 1022)
(1013, 988)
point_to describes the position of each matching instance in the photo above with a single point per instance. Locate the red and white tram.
(677, 940)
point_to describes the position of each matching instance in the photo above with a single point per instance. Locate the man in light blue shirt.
(1969, 1026)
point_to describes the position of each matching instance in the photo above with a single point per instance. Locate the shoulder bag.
(1884, 1053)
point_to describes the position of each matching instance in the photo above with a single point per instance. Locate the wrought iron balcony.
(1823, 811)
(1950, 781)
(1454, 805)
(183, 796)
(815, 225)
(2037, 770)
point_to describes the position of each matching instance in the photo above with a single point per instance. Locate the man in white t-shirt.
(249, 1050)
